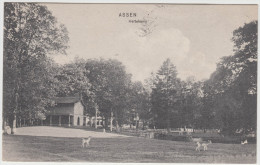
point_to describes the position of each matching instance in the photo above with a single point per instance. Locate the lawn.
(121, 149)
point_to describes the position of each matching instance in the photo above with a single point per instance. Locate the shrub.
(226, 139)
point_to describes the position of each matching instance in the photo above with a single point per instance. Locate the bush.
(226, 139)
(171, 137)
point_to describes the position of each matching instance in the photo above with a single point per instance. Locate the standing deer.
(85, 142)
(198, 146)
(205, 145)
(200, 143)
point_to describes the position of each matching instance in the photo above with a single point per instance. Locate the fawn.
(85, 141)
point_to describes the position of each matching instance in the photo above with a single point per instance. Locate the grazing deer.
(205, 145)
(85, 141)
(244, 142)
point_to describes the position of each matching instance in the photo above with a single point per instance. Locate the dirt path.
(62, 132)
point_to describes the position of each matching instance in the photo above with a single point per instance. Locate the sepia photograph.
(129, 82)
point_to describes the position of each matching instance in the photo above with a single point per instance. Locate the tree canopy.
(226, 101)
(31, 32)
(231, 91)
(164, 97)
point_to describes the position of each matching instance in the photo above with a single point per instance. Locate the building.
(70, 111)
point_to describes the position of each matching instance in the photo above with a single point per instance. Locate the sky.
(194, 37)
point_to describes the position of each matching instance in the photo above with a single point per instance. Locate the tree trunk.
(13, 121)
(95, 118)
(168, 124)
(117, 127)
(111, 122)
(13, 125)
(106, 121)
(137, 124)
(103, 125)
(4, 125)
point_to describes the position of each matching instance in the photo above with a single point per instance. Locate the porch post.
(69, 120)
(50, 120)
(86, 123)
(90, 121)
(59, 120)
(96, 118)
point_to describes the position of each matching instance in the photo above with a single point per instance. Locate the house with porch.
(70, 111)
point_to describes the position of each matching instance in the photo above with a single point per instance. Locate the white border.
(217, 2)
(145, 1)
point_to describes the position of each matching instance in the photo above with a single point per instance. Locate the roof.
(67, 100)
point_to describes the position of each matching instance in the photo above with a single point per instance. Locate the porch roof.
(67, 100)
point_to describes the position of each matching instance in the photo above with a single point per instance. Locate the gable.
(78, 108)
(66, 100)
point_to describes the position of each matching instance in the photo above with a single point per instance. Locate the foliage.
(138, 101)
(230, 93)
(191, 103)
(30, 34)
(165, 95)
(71, 80)
(227, 100)
(110, 83)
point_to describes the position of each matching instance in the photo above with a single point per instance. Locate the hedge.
(226, 139)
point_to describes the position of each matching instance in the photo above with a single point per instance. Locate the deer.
(85, 142)
(200, 143)
(205, 145)
(244, 142)
(198, 146)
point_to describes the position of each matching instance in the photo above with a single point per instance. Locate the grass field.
(121, 149)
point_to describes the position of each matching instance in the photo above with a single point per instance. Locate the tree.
(110, 83)
(30, 34)
(71, 79)
(208, 101)
(231, 92)
(165, 95)
(191, 103)
(245, 40)
(139, 102)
